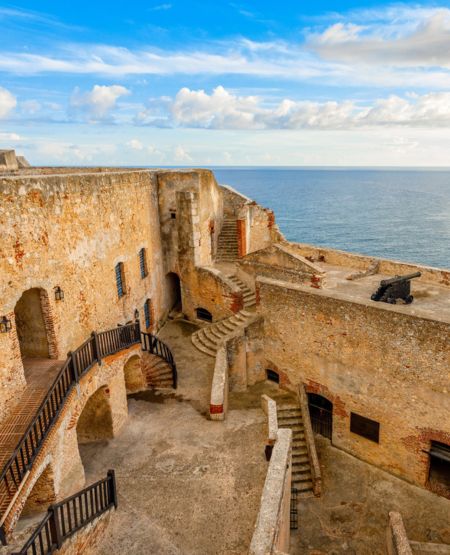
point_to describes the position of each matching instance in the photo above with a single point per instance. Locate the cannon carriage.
(398, 287)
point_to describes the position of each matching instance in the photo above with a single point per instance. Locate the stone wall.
(70, 231)
(377, 362)
(361, 262)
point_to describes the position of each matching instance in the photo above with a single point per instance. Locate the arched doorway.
(321, 413)
(134, 378)
(95, 422)
(30, 324)
(173, 288)
(42, 495)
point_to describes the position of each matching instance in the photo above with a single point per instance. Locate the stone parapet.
(272, 528)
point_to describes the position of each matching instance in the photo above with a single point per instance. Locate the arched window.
(272, 375)
(120, 279)
(203, 314)
(147, 313)
(143, 263)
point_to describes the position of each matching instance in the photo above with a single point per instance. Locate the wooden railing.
(155, 346)
(70, 515)
(77, 364)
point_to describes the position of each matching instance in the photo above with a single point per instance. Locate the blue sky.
(226, 83)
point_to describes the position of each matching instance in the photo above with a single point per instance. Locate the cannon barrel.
(399, 279)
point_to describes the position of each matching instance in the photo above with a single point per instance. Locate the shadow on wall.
(30, 324)
(95, 422)
(173, 288)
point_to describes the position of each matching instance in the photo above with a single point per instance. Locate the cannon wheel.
(409, 299)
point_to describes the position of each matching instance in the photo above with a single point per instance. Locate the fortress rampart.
(149, 245)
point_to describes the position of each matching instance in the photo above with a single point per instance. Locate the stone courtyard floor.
(351, 516)
(186, 485)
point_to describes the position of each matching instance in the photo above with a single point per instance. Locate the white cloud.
(10, 137)
(98, 102)
(30, 107)
(181, 155)
(224, 110)
(415, 38)
(161, 7)
(135, 144)
(7, 102)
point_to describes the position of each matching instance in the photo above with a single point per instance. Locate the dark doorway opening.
(439, 476)
(30, 325)
(321, 413)
(203, 314)
(273, 376)
(173, 286)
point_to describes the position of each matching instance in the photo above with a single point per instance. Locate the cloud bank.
(224, 110)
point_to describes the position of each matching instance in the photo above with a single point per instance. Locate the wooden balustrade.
(65, 518)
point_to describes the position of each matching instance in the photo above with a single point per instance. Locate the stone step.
(303, 486)
(300, 459)
(299, 450)
(293, 427)
(208, 340)
(201, 347)
(217, 332)
(300, 468)
(226, 326)
(289, 417)
(300, 477)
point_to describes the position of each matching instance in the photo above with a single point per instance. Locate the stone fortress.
(120, 285)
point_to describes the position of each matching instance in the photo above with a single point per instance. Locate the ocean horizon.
(397, 213)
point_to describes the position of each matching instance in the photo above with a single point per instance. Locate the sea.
(390, 213)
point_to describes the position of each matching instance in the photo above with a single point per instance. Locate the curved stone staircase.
(210, 338)
(247, 294)
(158, 374)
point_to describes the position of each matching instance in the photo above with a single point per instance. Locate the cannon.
(398, 287)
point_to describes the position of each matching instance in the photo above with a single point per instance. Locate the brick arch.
(95, 422)
(35, 324)
(42, 493)
(134, 374)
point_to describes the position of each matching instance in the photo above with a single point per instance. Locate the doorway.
(30, 325)
(321, 413)
(173, 291)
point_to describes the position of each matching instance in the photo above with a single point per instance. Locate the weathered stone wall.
(277, 262)
(71, 230)
(378, 362)
(360, 262)
(207, 218)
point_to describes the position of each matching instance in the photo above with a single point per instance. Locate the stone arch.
(173, 288)
(41, 495)
(95, 422)
(35, 325)
(133, 374)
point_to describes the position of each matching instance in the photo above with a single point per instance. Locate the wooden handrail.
(76, 365)
(65, 518)
(155, 346)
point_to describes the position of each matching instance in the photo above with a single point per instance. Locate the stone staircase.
(210, 338)
(158, 374)
(227, 249)
(290, 416)
(247, 294)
